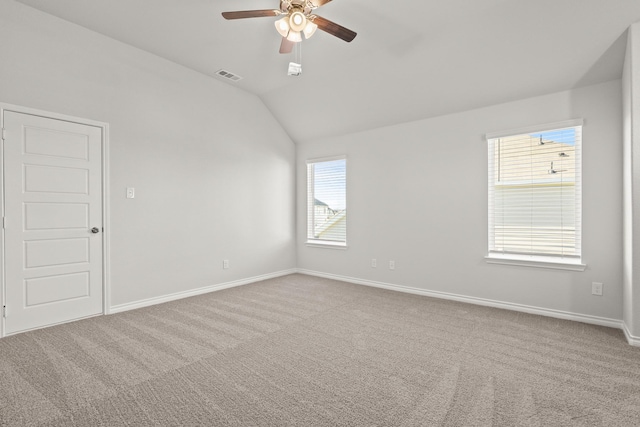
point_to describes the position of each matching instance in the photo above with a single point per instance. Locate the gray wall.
(214, 173)
(417, 194)
(631, 220)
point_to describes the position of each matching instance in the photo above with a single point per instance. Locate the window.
(327, 202)
(535, 196)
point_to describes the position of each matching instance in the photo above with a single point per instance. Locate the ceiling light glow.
(309, 29)
(282, 26)
(297, 21)
(294, 36)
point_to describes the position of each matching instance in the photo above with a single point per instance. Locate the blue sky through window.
(563, 136)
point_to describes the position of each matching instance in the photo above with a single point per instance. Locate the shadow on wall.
(598, 72)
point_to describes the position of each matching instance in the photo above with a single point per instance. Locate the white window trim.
(535, 129)
(554, 263)
(326, 159)
(536, 261)
(326, 244)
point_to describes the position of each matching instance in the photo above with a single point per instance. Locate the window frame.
(558, 262)
(322, 243)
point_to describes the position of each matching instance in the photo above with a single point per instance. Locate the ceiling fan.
(297, 19)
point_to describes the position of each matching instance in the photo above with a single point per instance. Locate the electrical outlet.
(131, 193)
(392, 265)
(596, 288)
(374, 263)
(225, 263)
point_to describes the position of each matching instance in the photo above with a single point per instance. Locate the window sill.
(536, 261)
(326, 245)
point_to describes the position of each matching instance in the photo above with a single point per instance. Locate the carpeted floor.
(305, 351)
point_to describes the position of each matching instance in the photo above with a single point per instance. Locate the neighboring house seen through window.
(326, 201)
(535, 196)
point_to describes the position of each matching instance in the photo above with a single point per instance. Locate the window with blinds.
(327, 201)
(535, 193)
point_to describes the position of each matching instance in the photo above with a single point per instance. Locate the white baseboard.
(634, 341)
(585, 318)
(185, 294)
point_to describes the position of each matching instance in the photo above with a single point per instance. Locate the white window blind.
(535, 193)
(326, 201)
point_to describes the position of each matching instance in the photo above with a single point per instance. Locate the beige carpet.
(305, 351)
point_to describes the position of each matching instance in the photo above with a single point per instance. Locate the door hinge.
(4, 311)
(4, 134)
(4, 222)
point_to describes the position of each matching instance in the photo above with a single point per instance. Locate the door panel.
(53, 197)
(55, 216)
(55, 143)
(54, 252)
(50, 289)
(47, 179)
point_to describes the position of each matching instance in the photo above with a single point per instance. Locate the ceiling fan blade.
(251, 14)
(286, 46)
(334, 29)
(318, 3)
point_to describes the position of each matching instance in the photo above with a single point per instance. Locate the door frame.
(106, 282)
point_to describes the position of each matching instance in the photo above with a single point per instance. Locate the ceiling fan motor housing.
(304, 5)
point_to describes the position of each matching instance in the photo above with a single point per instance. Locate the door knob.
(95, 230)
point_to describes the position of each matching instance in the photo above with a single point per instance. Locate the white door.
(53, 221)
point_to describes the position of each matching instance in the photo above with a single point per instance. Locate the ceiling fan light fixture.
(282, 26)
(309, 29)
(294, 36)
(297, 21)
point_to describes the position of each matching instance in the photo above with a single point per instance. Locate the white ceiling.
(411, 60)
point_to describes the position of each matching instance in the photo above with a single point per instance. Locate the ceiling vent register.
(228, 75)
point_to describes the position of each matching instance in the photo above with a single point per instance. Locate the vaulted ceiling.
(412, 59)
